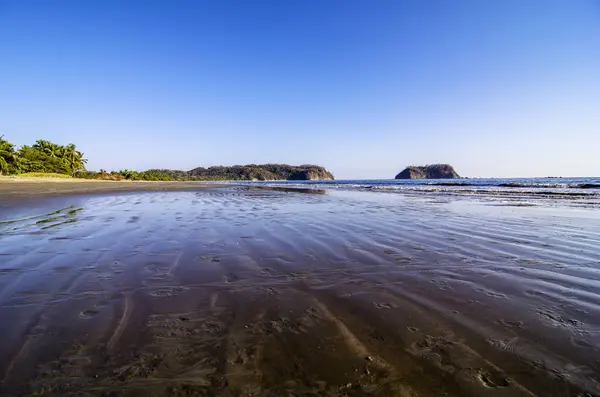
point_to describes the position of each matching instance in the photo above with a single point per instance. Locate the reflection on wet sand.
(240, 292)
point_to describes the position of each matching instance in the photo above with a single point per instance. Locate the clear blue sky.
(494, 87)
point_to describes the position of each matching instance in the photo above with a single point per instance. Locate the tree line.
(43, 157)
(47, 157)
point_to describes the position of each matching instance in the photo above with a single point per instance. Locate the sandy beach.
(14, 186)
(239, 291)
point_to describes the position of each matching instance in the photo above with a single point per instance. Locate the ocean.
(579, 192)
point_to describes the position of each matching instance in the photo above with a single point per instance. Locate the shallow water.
(571, 192)
(246, 291)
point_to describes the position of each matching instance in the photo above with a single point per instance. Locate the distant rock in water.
(262, 172)
(588, 186)
(433, 171)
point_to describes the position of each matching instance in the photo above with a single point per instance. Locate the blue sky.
(495, 87)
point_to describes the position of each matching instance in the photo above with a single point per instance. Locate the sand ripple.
(243, 291)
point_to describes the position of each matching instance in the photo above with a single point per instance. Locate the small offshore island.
(432, 171)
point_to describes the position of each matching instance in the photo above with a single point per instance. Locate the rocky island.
(432, 171)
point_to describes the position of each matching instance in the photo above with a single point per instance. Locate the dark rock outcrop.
(432, 171)
(311, 174)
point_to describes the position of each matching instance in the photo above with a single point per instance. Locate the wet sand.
(15, 187)
(257, 292)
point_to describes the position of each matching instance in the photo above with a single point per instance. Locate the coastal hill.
(432, 171)
(250, 172)
(262, 172)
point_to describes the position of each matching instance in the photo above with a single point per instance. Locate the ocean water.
(580, 192)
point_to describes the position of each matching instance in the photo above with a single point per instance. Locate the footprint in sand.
(88, 313)
(511, 324)
(230, 278)
(492, 380)
(168, 292)
(555, 319)
(506, 345)
(210, 258)
(383, 305)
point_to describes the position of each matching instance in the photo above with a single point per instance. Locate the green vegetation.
(150, 175)
(47, 159)
(71, 209)
(48, 220)
(59, 224)
(44, 175)
(8, 157)
(261, 172)
(43, 157)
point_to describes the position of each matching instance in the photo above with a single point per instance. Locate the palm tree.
(73, 158)
(47, 147)
(7, 155)
(3, 165)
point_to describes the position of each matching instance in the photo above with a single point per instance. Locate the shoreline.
(11, 187)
